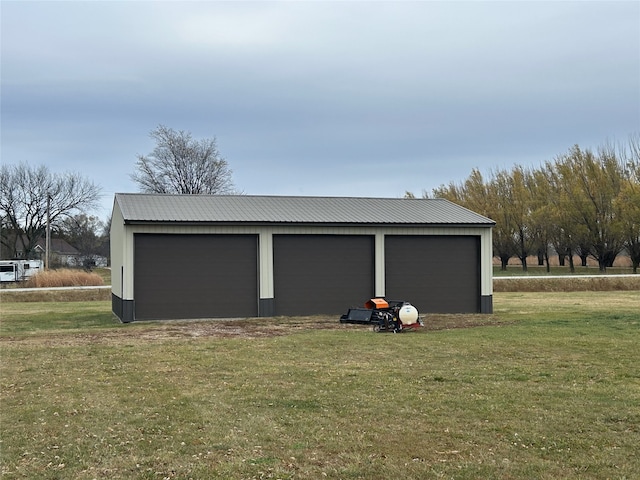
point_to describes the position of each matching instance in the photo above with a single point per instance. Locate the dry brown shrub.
(64, 278)
(568, 284)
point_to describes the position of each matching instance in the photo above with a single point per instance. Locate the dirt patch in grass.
(141, 332)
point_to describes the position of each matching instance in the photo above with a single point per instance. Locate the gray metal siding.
(195, 276)
(322, 274)
(294, 210)
(437, 274)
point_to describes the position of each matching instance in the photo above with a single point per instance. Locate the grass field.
(548, 387)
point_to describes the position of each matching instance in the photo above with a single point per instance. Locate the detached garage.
(211, 256)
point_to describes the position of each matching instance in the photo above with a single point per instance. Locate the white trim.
(265, 260)
(380, 273)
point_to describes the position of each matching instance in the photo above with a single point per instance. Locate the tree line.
(583, 202)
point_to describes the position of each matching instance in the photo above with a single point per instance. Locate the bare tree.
(84, 232)
(179, 164)
(31, 196)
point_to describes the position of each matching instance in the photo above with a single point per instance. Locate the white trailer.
(18, 270)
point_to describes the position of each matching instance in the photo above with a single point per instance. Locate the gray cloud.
(357, 98)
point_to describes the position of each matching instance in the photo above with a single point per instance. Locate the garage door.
(195, 276)
(438, 274)
(318, 274)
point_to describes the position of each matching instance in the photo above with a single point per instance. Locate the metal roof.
(231, 209)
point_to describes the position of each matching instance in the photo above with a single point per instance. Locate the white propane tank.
(408, 314)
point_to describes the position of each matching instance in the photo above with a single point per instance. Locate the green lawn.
(546, 388)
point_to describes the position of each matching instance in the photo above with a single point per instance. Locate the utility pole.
(47, 247)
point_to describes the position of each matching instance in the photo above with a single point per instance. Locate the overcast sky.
(346, 98)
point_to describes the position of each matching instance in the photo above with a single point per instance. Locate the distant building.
(62, 253)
